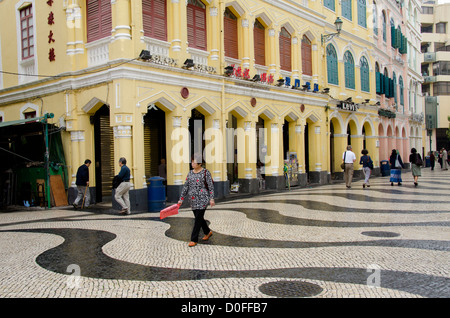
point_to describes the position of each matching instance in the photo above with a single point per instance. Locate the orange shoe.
(192, 244)
(207, 236)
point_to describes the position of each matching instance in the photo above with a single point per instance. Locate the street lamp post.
(327, 37)
(47, 158)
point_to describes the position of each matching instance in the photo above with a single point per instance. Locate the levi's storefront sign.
(348, 106)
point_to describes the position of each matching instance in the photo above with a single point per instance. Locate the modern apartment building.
(242, 82)
(436, 72)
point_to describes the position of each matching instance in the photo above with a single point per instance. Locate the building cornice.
(210, 82)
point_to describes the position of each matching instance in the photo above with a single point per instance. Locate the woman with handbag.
(367, 163)
(199, 187)
(416, 163)
(396, 163)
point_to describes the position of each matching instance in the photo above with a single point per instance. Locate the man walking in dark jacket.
(82, 183)
(122, 195)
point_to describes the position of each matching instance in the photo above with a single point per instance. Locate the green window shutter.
(399, 37)
(378, 82)
(393, 36)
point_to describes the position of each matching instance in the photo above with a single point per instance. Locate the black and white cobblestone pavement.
(323, 242)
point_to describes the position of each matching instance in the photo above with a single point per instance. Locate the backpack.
(370, 163)
(419, 161)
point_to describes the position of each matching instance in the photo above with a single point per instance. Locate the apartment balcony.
(98, 51)
(429, 57)
(429, 79)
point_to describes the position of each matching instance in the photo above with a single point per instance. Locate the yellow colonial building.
(249, 84)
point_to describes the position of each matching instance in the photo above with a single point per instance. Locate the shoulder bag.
(419, 161)
(343, 164)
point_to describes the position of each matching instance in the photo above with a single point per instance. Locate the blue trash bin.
(156, 194)
(385, 168)
(427, 161)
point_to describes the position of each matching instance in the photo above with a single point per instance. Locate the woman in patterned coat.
(199, 187)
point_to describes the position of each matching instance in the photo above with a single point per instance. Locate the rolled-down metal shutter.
(107, 155)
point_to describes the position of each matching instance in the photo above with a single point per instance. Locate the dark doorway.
(104, 154)
(154, 140)
(196, 130)
(307, 151)
(285, 139)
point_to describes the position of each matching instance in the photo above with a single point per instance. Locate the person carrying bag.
(416, 163)
(396, 163)
(199, 187)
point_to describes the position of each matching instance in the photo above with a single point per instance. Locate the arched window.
(347, 9)
(383, 16)
(375, 18)
(306, 56)
(285, 50)
(365, 77)
(230, 34)
(196, 24)
(400, 84)
(349, 66)
(332, 65)
(362, 13)
(259, 39)
(154, 18)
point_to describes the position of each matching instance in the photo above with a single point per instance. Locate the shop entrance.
(196, 131)
(155, 142)
(285, 139)
(232, 162)
(307, 152)
(332, 150)
(104, 154)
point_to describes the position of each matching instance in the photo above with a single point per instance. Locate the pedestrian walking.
(348, 158)
(416, 163)
(432, 160)
(444, 159)
(122, 194)
(396, 163)
(162, 169)
(82, 183)
(367, 163)
(199, 187)
(440, 158)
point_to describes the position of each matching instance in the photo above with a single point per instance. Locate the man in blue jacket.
(82, 183)
(122, 192)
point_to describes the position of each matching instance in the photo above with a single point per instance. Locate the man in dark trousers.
(82, 183)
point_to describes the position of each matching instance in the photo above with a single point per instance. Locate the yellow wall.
(128, 87)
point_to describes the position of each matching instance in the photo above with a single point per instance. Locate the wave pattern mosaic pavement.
(325, 241)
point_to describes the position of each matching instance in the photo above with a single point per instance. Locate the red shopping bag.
(171, 210)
